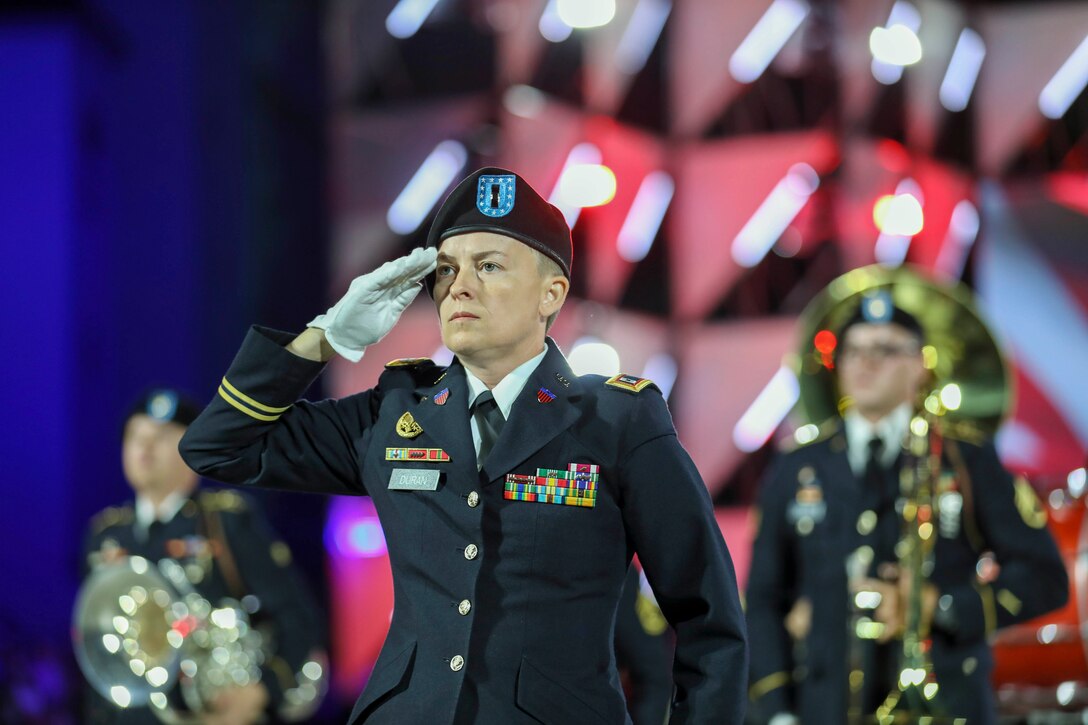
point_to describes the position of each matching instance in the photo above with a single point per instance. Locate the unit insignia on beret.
(495, 195)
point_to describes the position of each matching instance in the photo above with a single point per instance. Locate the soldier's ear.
(553, 294)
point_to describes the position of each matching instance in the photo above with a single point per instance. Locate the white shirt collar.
(508, 389)
(892, 430)
(146, 512)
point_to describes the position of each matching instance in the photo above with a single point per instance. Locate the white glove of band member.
(374, 303)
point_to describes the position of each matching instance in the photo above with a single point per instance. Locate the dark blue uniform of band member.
(810, 508)
(504, 608)
(228, 550)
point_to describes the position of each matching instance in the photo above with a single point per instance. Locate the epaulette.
(810, 433)
(222, 501)
(630, 383)
(112, 516)
(409, 362)
(962, 430)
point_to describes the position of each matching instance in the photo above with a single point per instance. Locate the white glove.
(374, 303)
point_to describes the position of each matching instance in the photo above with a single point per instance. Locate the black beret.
(877, 308)
(500, 201)
(166, 406)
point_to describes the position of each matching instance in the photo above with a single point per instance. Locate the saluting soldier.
(513, 493)
(831, 513)
(227, 550)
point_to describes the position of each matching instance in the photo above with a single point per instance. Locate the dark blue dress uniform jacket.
(809, 678)
(540, 581)
(257, 564)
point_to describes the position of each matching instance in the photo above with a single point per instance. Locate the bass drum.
(1042, 664)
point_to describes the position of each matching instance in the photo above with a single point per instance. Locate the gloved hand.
(374, 303)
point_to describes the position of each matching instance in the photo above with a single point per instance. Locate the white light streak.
(891, 249)
(643, 29)
(590, 356)
(767, 411)
(905, 14)
(897, 45)
(408, 16)
(776, 212)
(587, 185)
(524, 101)
(551, 25)
(661, 368)
(1076, 481)
(645, 216)
(766, 39)
(583, 153)
(962, 231)
(586, 13)
(901, 215)
(1068, 83)
(959, 79)
(425, 188)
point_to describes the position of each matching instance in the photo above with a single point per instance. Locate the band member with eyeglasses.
(512, 492)
(831, 516)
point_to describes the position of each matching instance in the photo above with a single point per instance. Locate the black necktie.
(489, 421)
(881, 490)
(874, 469)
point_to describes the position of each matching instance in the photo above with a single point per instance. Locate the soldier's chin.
(459, 342)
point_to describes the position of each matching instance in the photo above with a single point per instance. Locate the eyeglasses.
(876, 353)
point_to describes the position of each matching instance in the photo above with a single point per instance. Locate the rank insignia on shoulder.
(407, 427)
(1027, 503)
(111, 517)
(407, 362)
(629, 382)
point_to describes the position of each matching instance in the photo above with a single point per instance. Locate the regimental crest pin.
(407, 427)
(442, 396)
(495, 195)
(545, 396)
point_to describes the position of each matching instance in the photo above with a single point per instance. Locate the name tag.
(410, 479)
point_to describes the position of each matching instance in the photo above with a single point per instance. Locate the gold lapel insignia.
(407, 427)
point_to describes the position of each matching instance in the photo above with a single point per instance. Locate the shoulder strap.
(221, 551)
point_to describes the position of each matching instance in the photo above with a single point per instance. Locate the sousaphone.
(971, 379)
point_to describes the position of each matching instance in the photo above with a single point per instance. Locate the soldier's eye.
(489, 267)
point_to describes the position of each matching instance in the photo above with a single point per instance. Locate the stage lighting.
(959, 79)
(586, 185)
(766, 39)
(768, 410)
(423, 191)
(645, 216)
(586, 13)
(1067, 84)
(590, 356)
(408, 17)
(583, 153)
(776, 212)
